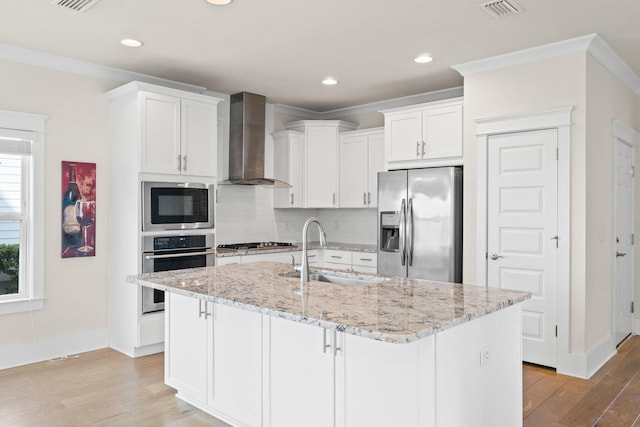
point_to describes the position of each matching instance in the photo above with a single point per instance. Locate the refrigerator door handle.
(410, 233)
(403, 237)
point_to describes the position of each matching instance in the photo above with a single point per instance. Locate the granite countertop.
(357, 247)
(398, 310)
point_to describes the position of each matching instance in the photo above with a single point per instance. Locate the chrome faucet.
(304, 267)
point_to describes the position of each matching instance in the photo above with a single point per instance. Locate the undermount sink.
(345, 279)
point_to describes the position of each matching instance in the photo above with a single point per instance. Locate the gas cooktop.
(255, 246)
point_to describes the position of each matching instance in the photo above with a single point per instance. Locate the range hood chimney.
(246, 142)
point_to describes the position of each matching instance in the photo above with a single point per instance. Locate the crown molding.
(372, 107)
(74, 66)
(592, 44)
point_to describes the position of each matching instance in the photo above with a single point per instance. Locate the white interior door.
(623, 211)
(522, 224)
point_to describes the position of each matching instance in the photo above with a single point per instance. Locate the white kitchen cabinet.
(284, 257)
(361, 158)
(187, 341)
(178, 136)
(424, 135)
(361, 262)
(364, 262)
(149, 127)
(320, 160)
(288, 166)
(213, 358)
(375, 374)
(301, 377)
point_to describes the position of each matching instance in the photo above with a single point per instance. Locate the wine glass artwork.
(86, 215)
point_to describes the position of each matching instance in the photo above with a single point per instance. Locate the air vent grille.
(77, 5)
(501, 8)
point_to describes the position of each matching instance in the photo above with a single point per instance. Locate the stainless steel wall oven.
(171, 252)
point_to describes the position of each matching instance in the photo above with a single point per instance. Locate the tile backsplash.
(246, 214)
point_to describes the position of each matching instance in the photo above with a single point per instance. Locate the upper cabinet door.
(376, 164)
(353, 171)
(322, 167)
(199, 136)
(159, 134)
(442, 130)
(404, 132)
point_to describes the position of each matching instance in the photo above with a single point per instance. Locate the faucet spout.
(304, 268)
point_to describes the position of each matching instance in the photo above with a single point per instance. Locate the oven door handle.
(182, 254)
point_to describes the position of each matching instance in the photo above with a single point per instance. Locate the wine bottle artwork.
(78, 209)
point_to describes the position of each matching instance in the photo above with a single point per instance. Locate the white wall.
(74, 317)
(598, 97)
(607, 99)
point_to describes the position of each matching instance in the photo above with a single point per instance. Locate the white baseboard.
(636, 326)
(40, 349)
(585, 365)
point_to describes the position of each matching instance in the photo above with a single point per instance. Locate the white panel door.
(522, 232)
(624, 217)
(405, 136)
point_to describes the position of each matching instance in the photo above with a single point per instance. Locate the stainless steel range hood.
(246, 142)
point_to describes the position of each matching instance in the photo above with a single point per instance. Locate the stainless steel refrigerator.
(420, 223)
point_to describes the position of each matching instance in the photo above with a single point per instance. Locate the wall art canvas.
(78, 209)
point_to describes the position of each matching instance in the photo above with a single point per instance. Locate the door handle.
(403, 237)
(496, 256)
(410, 232)
(619, 254)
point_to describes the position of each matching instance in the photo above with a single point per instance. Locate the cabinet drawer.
(336, 257)
(365, 259)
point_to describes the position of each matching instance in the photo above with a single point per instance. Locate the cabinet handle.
(179, 161)
(291, 199)
(184, 163)
(366, 259)
(418, 149)
(311, 256)
(423, 144)
(334, 199)
(369, 196)
(325, 346)
(201, 311)
(336, 349)
(365, 198)
(336, 256)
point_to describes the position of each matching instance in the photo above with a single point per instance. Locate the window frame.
(29, 127)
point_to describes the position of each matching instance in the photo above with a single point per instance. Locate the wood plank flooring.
(611, 397)
(106, 388)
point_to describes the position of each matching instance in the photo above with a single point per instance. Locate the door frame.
(560, 119)
(625, 135)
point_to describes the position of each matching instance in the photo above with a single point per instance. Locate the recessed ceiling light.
(131, 42)
(219, 2)
(329, 81)
(423, 58)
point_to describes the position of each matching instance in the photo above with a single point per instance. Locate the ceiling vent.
(77, 5)
(501, 8)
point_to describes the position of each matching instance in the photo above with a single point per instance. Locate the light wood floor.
(106, 388)
(611, 397)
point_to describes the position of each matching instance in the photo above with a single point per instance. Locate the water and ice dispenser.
(389, 231)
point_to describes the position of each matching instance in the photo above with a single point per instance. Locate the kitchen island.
(244, 343)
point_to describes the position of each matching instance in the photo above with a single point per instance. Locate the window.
(21, 212)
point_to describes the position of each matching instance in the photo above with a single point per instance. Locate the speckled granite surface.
(358, 247)
(397, 310)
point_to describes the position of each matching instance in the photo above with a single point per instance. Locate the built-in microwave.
(176, 206)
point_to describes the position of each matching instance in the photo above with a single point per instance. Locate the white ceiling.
(284, 48)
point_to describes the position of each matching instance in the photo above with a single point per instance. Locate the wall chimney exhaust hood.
(246, 142)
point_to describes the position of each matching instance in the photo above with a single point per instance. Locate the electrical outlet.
(485, 355)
